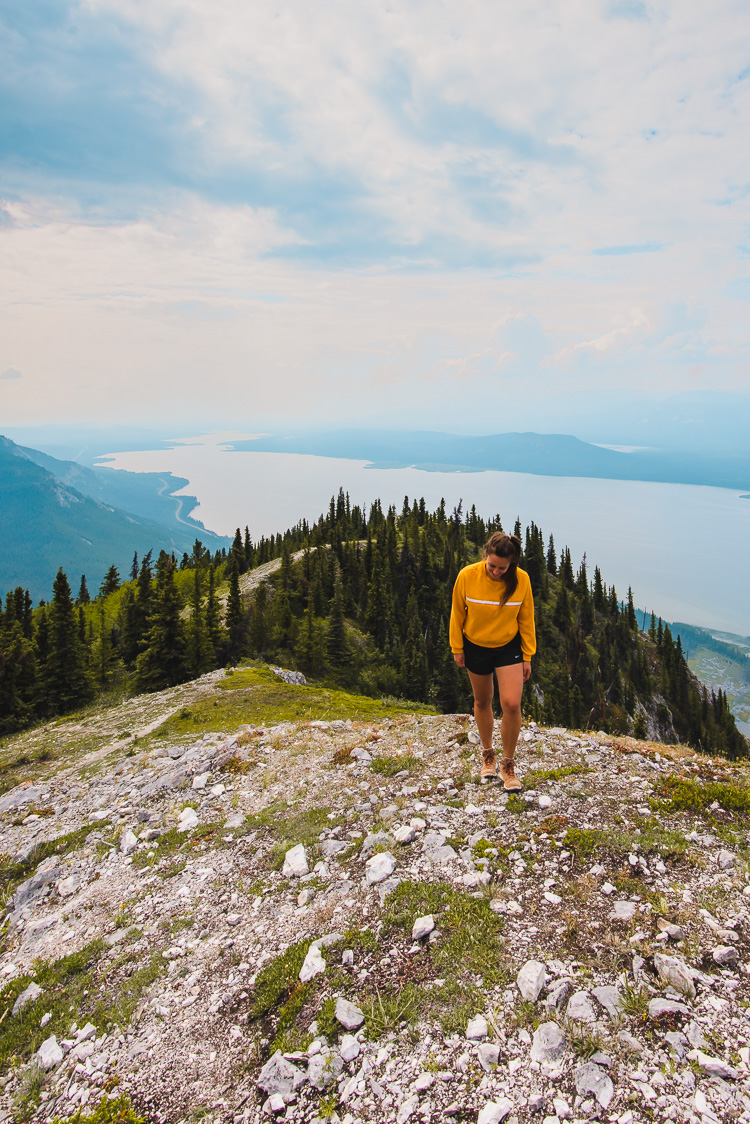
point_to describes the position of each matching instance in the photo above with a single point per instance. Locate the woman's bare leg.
(483, 689)
(510, 687)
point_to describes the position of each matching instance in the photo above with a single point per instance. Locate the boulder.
(591, 1079)
(676, 973)
(548, 1043)
(348, 1014)
(531, 979)
(295, 862)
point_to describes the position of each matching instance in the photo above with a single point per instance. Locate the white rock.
(188, 819)
(200, 780)
(313, 965)
(488, 1054)
(562, 1108)
(128, 842)
(405, 834)
(545, 801)
(275, 1103)
(477, 1028)
(379, 867)
(548, 1044)
(726, 860)
(495, 1111)
(68, 886)
(714, 1067)
(580, 1008)
(28, 995)
(591, 1078)
(531, 979)
(725, 954)
(349, 1048)
(674, 971)
(424, 1082)
(553, 899)
(324, 1068)
(607, 888)
(50, 1053)
(295, 862)
(623, 911)
(348, 1014)
(657, 1008)
(406, 1109)
(422, 927)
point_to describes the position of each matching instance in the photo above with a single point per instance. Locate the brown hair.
(506, 546)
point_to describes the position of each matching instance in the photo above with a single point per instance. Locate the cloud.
(10, 373)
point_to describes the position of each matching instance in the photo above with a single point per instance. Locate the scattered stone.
(623, 911)
(405, 834)
(725, 954)
(477, 1028)
(188, 820)
(610, 999)
(488, 1054)
(348, 1014)
(531, 979)
(49, 1053)
(278, 1076)
(128, 842)
(580, 1009)
(349, 1048)
(295, 862)
(548, 1043)
(493, 1112)
(422, 927)
(713, 1067)
(407, 1109)
(676, 973)
(726, 859)
(324, 1068)
(28, 995)
(591, 1078)
(379, 867)
(313, 964)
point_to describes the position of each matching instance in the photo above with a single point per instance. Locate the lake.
(682, 548)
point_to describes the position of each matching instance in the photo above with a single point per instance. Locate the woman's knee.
(510, 708)
(483, 703)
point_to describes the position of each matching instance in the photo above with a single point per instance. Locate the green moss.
(535, 776)
(117, 1111)
(13, 874)
(63, 984)
(388, 766)
(255, 695)
(679, 794)
(583, 842)
(278, 979)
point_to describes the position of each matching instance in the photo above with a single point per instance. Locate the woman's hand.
(459, 658)
(526, 669)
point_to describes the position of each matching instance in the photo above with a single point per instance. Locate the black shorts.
(483, 661)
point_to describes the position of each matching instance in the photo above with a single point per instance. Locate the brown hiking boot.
(511, 782)
(489, 763)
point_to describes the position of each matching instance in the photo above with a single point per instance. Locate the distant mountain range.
(541, 454)
(59, 513)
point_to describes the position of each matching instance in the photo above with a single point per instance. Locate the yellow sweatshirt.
(478, 614)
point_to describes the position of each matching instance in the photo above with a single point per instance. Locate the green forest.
(362, 600)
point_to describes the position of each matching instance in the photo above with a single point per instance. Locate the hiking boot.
(489, 763)
(511, 782)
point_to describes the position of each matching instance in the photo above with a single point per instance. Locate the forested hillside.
(363, 600)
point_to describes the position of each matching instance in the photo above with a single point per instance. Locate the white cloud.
(10, 373)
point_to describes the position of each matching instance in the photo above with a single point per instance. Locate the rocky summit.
(336, 920)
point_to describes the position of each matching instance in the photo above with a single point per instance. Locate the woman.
(492, 629)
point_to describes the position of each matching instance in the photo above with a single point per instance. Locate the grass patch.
(63, 984)
(117, 1111)
(389, 766)
(650, 839)
(298, 827)
(13, 874)
(385, 1012)
(535, 776)
(679, 794)
(255, 695)
(471, 933)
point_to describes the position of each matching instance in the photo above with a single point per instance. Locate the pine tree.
(162, 662)
(66, 681)
(83, 594)
(111, 582)
(336, 645)
(201, 656)
(236, 622)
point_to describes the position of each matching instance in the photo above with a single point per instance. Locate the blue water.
(682, 548)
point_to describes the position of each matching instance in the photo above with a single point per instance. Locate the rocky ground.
(336, 920)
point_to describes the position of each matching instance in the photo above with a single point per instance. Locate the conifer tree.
(111, 582)
(236, 623)
(66, 683)
(162, 661)
(201, 656)
(83, 594)
(336, 645)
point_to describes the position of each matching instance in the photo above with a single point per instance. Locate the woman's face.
(496, 566)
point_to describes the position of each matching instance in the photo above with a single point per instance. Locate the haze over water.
(683, 549)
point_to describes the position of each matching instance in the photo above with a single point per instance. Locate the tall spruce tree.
(162, 662)
(66, 683)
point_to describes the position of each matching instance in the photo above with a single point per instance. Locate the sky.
(469, 215)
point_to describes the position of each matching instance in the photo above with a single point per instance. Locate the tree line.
(361, 599)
